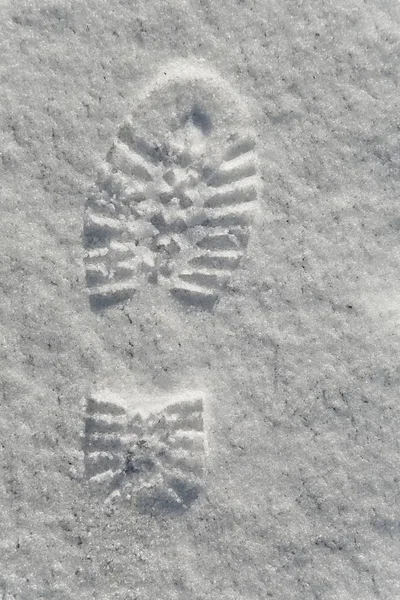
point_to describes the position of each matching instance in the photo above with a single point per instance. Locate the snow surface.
(298, 359)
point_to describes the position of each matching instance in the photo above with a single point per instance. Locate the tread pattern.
(155, 461)
(176, 213)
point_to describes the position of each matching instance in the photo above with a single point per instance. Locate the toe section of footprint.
(153, 462)
(174, 201)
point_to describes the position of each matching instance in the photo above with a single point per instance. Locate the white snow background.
(300, 357)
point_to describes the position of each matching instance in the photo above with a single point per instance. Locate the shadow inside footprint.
(200, 119)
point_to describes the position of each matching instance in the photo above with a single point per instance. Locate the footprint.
(152, 459)
(175, 198)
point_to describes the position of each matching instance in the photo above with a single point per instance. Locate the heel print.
(155, 461)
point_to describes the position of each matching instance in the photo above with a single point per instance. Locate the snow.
(297, 359)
